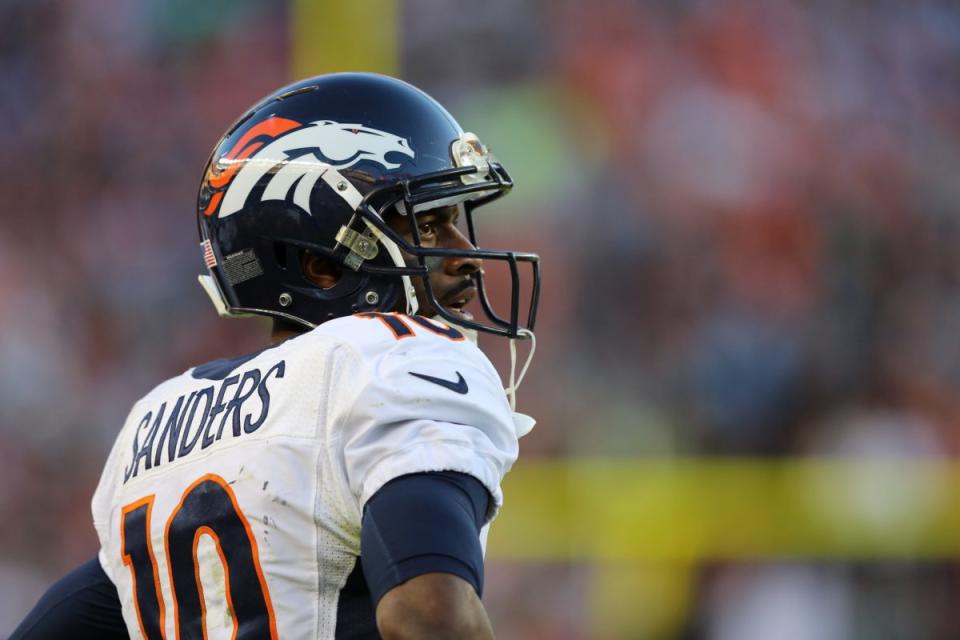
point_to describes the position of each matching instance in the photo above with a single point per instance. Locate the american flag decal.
(208, 255)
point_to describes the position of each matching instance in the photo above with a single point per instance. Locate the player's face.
(450, 278)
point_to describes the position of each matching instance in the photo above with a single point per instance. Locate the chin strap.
(515, 381)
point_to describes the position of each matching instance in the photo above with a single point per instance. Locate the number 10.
(207, 507)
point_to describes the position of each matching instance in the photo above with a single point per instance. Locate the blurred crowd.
(747, 213)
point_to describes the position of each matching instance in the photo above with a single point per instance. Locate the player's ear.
(320, 271)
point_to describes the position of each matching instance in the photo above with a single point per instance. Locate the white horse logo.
(324, 144)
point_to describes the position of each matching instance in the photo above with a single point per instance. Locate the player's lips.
(458, 298)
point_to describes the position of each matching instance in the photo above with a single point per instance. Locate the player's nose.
(461, 265)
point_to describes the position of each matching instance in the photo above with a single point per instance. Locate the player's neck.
(276, 337)
(284, 330)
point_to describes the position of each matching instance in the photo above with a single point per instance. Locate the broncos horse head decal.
(299, 156)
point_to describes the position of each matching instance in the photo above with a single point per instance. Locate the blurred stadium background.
(747, 380)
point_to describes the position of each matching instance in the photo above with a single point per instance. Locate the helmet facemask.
(466, 188)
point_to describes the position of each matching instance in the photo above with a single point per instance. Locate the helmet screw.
(286, 299)
(341, 186)
(363, 245)
(371, 297)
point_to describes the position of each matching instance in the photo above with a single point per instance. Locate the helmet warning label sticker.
(242, 266)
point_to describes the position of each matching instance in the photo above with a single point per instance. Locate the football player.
(339, 482)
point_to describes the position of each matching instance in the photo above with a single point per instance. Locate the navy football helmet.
(316, 167)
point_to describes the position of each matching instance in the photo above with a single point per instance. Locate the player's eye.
(427, 229)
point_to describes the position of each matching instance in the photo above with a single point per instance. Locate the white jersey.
(231, 501)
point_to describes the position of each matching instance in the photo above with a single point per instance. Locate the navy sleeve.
(423, 523)
(82, 605)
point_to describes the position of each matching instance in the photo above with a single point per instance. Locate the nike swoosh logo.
(459, 386)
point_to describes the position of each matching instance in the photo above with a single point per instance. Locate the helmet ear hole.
(321, 272)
